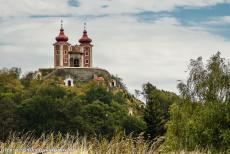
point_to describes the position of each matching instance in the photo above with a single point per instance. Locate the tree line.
(198, 118)
(43, 106)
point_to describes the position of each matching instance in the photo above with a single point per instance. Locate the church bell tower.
(67, 55)
(86, 48)
(61, 48)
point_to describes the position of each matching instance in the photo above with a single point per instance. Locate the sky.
(139, 40)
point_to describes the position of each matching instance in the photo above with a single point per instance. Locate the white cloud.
(93, 7)
(218, 20)
(138, 52)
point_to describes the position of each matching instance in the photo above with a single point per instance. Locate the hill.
(198, 119)
(91, 107)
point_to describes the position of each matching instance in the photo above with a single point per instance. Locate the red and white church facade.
(74, 63)
(67, 55)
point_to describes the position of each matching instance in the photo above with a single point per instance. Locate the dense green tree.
(119, 97)
(98, 93)
(156, 112)
(10, 84)
(133, 125)
(43, 106)
(42, 114)
(27, 78)
(201, 119)
(207, 84)
(7, 115)
(105, 119)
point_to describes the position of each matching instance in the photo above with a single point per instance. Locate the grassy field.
(75, 145)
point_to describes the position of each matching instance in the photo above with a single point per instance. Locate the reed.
(68, 144)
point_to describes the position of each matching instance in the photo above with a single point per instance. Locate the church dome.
(85, 38)
(61, 37)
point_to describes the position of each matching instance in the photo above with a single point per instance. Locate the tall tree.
(202, 120)
(210, 83)
(156, 112)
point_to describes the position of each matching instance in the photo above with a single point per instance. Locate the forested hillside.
(197, 119)
(44, 106)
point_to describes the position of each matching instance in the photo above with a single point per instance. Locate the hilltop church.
(67, 55)
(74, 63)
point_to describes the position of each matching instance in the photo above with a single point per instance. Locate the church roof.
(100, 79)
(85, 38)
(61, 37)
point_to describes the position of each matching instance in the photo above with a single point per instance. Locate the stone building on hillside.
(67, 55)
(74, 63)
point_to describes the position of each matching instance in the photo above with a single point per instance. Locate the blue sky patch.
(221, 30)
(148, 16)
(105, 6)
(51, 16)
(188, 16)
(199, 15)
(73, 3)
(195, 16)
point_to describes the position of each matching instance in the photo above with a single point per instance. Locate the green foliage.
(103, 118)
(156, 112)
(98, 93)
(202, 120)
(42, 114)
(207, 84)
(7, 115)
(120, 97)
(134, 125)
(44, 106)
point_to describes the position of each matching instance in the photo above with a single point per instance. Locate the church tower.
(86, 48)
(61, 48)
(67, 55)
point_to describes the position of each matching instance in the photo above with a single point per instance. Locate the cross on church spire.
(85, 39)
(61, 37)
(84, 25)
(61, 23)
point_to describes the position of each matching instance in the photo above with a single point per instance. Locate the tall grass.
(67, 144)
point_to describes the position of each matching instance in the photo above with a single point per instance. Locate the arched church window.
(86, 49)
(57, 52)
(57, 47)
(87, 61)
(87, 53)
(76, 63)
